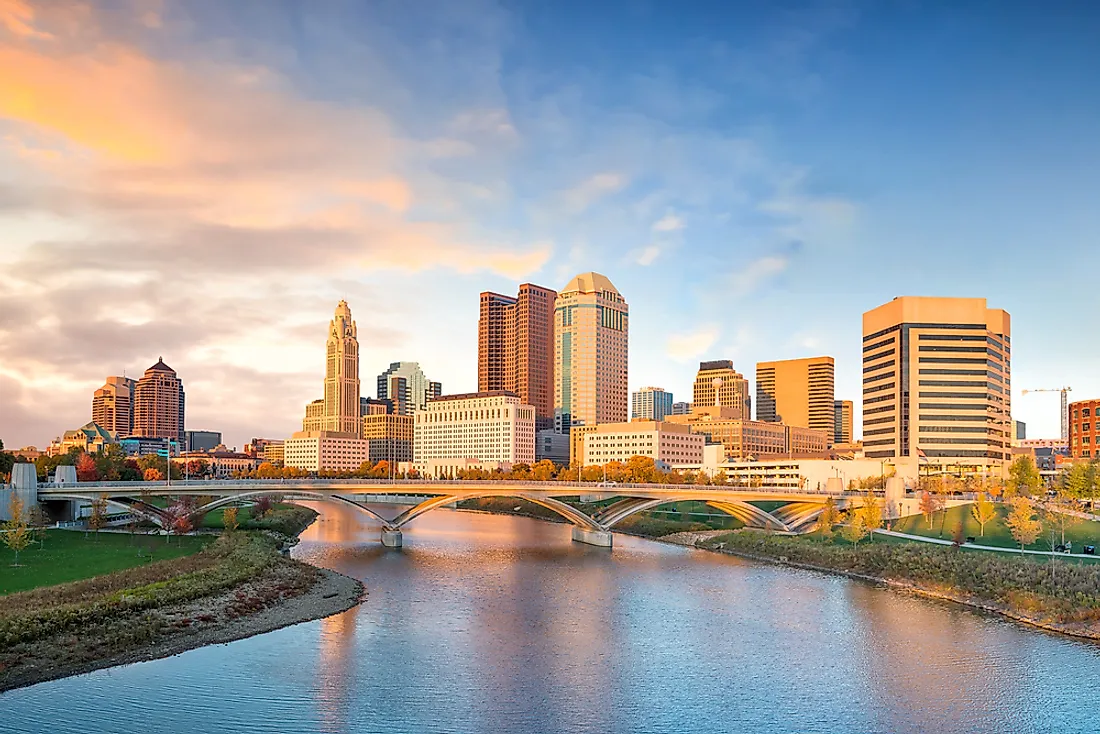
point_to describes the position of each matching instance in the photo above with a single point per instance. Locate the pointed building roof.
(590, 283)
(160, 366)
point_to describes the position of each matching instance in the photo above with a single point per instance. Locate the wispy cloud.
(592, 189)
(668, 223)
(648, 254)
(684, 348)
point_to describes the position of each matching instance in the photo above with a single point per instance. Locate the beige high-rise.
(798, 392)
(718, 384)
(936, 383)
(159, 403)
(113, 405)
(339, 410)
(590, 353)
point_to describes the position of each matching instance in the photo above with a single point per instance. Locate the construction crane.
(1065, 406)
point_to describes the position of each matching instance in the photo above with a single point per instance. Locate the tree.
(1024, 479)
(152, 474)
(543, 471)
(1056, 514)
(855, 530)
(1023, 523)
(828, 518)
(870, 514)
(229, 519)
(983, 510)
(261, 506)
(98, 518)
(957, 536)
(929, 505)
(7, 461)
(17, 535)
(86, 470)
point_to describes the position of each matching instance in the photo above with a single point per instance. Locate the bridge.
(795, 512)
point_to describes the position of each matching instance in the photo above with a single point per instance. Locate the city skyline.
(820, 185)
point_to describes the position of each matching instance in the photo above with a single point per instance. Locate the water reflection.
(490, 624)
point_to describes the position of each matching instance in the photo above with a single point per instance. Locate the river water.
(485, 623)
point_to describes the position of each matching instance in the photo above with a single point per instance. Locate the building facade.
(325, 450)
(338, 410)
(798, 392)
(650, 404)
(842, 421)
(515, 348)
(937, 383)
(665, 443)
(113, 405)
(1084, 430)
(717, 383)
(492, 428)
(591, 324)
(744, 439)
(202, 440)
(90, 438)
(389, 437)
(549, 444)
(681, 408)
(406, 386)
(219, 464)
(159, 405)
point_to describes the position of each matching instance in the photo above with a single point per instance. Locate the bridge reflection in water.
(794, 511)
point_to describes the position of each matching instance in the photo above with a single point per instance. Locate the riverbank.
(1064, 599)
(238, 587)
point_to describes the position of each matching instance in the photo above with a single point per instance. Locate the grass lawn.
(1080, 532)
(67, 555)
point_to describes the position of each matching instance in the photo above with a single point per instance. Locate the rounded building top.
(590, 283)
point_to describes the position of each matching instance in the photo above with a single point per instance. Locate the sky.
(204, 180)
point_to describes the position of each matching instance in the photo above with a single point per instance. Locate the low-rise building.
(202, 440)
(219, 464)
(576, 443)
(325, 450)
(274, 453)
(681, 408)
(549, 444)
(665, 443)
(389, 436)
(143, 446)
(492, 428)
(90, 437)
(1084, 429)
(807, 475)
(255, 448)
(744, 439)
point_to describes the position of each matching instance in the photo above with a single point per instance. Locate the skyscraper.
(516, 348)
(407, 387)
(159, 403)
(590, 353)
(842, 421)
(936, 383)
(717, 383)
(651, 404)
(798, 392)
(338, 411)
(113, 405)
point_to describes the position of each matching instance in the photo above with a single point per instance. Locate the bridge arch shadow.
(570, 513)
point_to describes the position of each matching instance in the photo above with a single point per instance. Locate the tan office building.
(159, 404)
(338, 411)
(665, 443)
(717, 383)
(797, 392)
(590, 354)
(113, 405)
(842, 421)
(744, 439)
(324, 450)
(936, 383)
(515, 348)
(389, 435)
(487, 428)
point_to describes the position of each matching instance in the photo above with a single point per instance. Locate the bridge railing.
(290, 484)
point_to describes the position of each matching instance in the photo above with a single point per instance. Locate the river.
(486, 623)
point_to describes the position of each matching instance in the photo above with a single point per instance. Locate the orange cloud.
(18, 17)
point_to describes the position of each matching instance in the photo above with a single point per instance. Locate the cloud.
(688, 347)
(18, 17)
(592, 189)
(668, 223)
(648, 255)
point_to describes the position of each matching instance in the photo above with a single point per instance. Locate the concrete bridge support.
(391, 538)
(600, 538)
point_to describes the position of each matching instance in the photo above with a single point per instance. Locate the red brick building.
(1084, 431)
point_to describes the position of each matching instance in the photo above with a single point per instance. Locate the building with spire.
(338, 411)
(590, 354)
(159, 404)
(113, 405)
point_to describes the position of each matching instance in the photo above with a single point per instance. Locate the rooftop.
(590, 283)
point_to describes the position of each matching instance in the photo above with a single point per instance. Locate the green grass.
(1080, 532)
(66, 555)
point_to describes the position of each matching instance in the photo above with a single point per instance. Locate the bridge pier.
(600, 538)
(391, 538)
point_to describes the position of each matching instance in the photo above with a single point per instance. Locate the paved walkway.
(975, 546)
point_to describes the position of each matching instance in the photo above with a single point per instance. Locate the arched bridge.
(796, 510)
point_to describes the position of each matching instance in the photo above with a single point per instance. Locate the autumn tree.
(86, 470)
(929, 505)
(152, 474)
(16, 533)
(1024, 479)
(261, 506)
(828, 518)
(98, 519)
(1022, 522)
(543, 471)
(229, 519)
(983, 510)
(854, 531)
(870, 514)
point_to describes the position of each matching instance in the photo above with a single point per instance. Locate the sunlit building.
(338, 410)
(407, 388)
(325, 450)
(717, 383)
(748, 439)
(159, 404)
(1084, 429)
(842, 421)
(487, 428)
(797, 392)
(650, 404)
(113, 405)
(665, 443)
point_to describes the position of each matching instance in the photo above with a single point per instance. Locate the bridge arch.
(297, 493)
(151, 512)
(570, 513)
(749, 514)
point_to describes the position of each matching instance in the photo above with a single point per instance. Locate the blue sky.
(203, 180)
